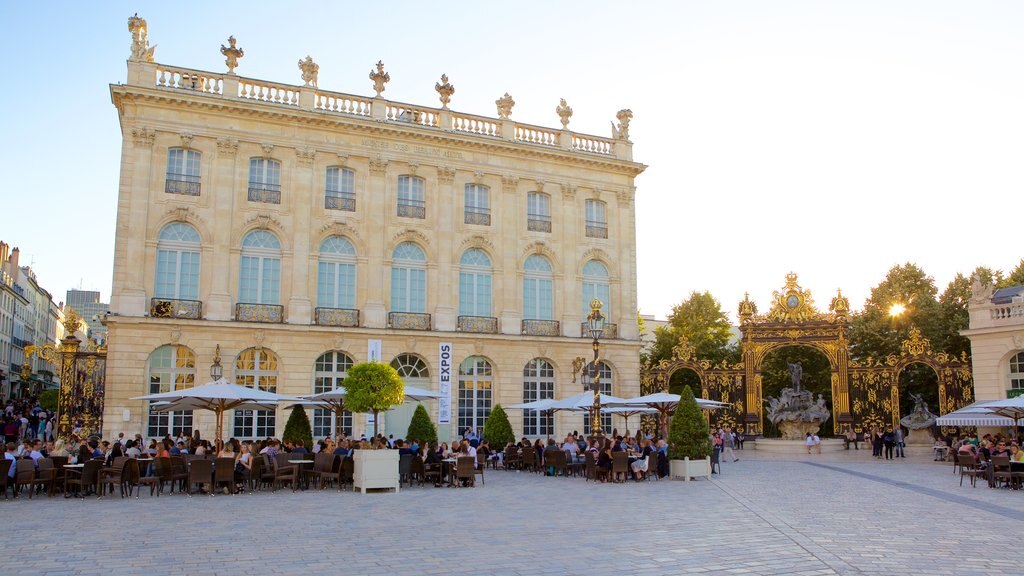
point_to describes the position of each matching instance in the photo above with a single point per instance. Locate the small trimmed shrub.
(497, 430)
(373, 387)
(688, 435)
(421, 427)
(297, 428)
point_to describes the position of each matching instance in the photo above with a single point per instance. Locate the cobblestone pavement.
(840, 513)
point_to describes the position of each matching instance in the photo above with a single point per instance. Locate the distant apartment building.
(28, 316)
(92, 310)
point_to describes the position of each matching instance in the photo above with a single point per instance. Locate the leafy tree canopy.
(373, 387)
(702, 321)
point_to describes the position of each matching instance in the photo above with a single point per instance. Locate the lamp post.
(595, 325)
(216, 370)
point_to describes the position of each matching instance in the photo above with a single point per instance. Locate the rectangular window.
(336, 285)
(411, 203)
(340, 194)
(260, 280)
(538, 302)
(264, 180)
(538, 212)
(597, 219)
(478, 205)
(182, 172)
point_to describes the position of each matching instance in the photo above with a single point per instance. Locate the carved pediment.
(477, 241)
(264, 221)
(338, 229)
(538, 247)
(410, 235)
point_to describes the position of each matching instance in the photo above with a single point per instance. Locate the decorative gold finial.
(310, 70)
(233, 53)
(141, 50)
(621, 132)
(380, 78)
(564, 113)
(505, 104)
(445, 89)
(72, 321)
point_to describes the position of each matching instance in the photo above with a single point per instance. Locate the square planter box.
(375, 469)
(687, 468)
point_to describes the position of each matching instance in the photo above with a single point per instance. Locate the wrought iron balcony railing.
(479, 216)
(412, 209)
(408, 321)
(541, 327)
(268, 313)
(337, 317)
(536, 223)
(182, 184)
(340, 201)
(478, 324)
(175, 308)
(610, 331)
(597, 231)
(267, 193)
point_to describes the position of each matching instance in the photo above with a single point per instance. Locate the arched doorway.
(817, 378)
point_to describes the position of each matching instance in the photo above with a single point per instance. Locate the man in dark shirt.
(300, 447)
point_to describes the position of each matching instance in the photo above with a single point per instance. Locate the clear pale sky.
(833, 139)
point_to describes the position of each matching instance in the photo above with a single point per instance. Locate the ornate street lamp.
(216, 370)
(595, 325)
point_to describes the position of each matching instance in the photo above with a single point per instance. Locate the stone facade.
(997, 337)
(234, 125)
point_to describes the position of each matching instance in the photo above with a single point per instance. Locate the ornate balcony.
(408, 321)
(182, 184)
(268, 313)
(412, 209)
(479, 216)
(597, 231)
(267, 193)
(538, 224)
(478, 324)
(337, 317)
(341, 201)
(542, 327)
(611, 331)
(172, 308)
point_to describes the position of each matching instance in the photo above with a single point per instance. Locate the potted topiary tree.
(373, 387)
(689, 444)
(421, 427)
(297, 428)
(497, 430)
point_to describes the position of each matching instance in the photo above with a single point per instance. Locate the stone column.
(218, 304)
(567, 289)
(137, 180)
(507, 262)
(299, 307)
(625, 251)
(374, 313)
(442, 277)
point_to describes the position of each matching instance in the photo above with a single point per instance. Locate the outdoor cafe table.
(448, 470)
(297, 466)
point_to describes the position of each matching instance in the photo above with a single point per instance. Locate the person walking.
(899, 442)
(727, 441)
(876, 443)
(889, 440)
(810, 442)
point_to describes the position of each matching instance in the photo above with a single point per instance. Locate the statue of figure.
(621, 132)
(380, 78)
(921, 417)
(141, 50)
(796, 372)
(821, 403)
(564, 113)
(233, 53)
(310, 70)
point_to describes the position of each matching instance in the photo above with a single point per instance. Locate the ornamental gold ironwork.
(541, 327)
(344, 317)
(408, 321)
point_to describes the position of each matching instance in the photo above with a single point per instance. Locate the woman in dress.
(243, 467)
(604, 462)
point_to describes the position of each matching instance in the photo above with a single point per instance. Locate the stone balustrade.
(230, 86)
(996, 315)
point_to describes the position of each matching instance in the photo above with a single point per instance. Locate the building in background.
(997, 341)
(303, 230)
(28, 316)
(92, 310)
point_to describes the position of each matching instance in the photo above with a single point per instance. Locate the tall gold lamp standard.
(595, 325)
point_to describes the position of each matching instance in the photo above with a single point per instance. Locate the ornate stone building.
(997, 341)
(301, 230)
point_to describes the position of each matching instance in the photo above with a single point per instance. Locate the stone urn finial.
(621, 132)
(310, 70)
(564, 113)
(380, 78)
(232, 53)
(505, 104)
(445, 89)
(141, 50)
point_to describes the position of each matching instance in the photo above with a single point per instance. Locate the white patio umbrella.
(627, 411)
(334, 400)
(420, 394)
(1009, 407)
(583, 402)
(665, 404)
(218, 396)
(535, 405)
(973, 415)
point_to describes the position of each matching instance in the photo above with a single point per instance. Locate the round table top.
(74, 465)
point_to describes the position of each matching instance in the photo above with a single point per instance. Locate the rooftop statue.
(621, 132)
(505, 104)
(233, 53)
(141, 50)
(564, 113)
(445, 89)
(310, 70)
(380, 78)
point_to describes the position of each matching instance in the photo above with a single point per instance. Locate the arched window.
(606, 388)
(256, 368)
(182, 172)
(538, 212)
(329, 373)
(411, 203)
(170, 368)
(474, 393)
(264, 180)
(478, 204)
(538, 289)
(1017, 371)
(410, 366)
(538, 384)
(260, 278)
(596, 219)
(340, 192)
(336, 274)
(474, 283)
(177, 262)
(408, 279)
(595, 285)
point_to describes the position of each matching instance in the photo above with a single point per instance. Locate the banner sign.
(444, 404)
(373, 350)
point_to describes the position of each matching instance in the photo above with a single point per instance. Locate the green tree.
(421, 427)
(48, 401)
(497, 430)
(879, 329)
(297, 428)
(688, 435)
(702, 321)
(1015, 278)
(373, 387)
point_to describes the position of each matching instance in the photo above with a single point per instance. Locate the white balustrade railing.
(593, 144)
(268, 92)
(343, 103)
(1014, 311)
(193, 80)
(475, 125)
(413, 115)
(536, 135)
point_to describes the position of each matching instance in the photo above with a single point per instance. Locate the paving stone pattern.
(840, 513)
